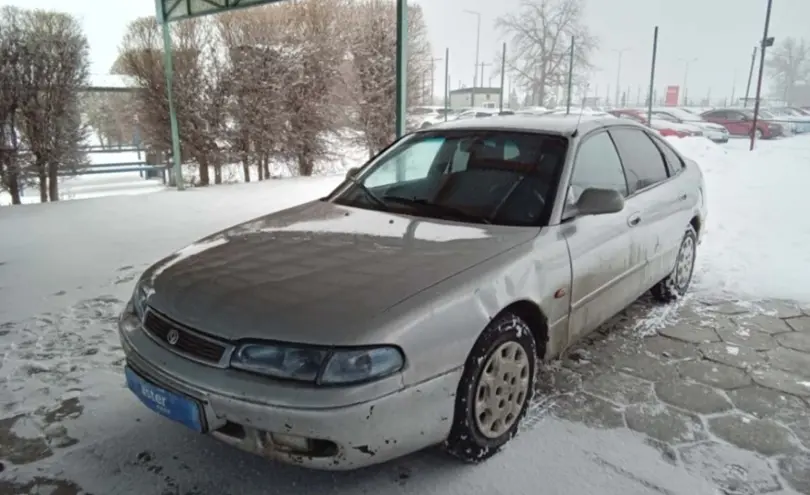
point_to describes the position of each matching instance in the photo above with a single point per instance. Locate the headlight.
(139, 301)
(318, 365)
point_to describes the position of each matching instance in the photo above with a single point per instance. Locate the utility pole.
(619, 71)
(686, 77)
(482, 73)
(477, 53)
(766, 42)
(750, 76)
(433, 78)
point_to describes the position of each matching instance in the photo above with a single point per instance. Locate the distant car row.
(717, 125)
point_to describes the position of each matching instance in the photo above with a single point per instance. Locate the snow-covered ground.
(66, 269)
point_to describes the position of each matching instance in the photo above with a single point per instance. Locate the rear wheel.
(758, 133)
(677, 283)
(495, 390)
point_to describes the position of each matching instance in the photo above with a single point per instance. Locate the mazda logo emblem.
(172, 337)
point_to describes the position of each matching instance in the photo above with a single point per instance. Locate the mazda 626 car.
(408, 308)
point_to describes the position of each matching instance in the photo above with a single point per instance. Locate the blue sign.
(174, 406)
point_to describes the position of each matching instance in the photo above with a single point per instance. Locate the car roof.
(555, 124)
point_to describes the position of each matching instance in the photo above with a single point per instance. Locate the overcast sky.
(719, 34)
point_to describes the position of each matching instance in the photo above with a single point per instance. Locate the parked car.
(740, 122)
(408, 307)
(664, 127)
(800, 120)
(477, 113)
(426, 116)
(712, 131)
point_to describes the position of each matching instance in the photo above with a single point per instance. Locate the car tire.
(759, 134)
(675, 285)
(492, 402)
(426, 125)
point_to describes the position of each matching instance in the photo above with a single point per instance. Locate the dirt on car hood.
(314, 273)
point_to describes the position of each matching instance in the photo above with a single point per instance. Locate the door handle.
(634, 220)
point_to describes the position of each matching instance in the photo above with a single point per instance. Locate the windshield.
(684, 115)
(475, 176)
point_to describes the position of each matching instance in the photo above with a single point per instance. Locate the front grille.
(188, 342)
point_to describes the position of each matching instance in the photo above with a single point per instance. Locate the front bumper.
(716, 136)
(342, 437)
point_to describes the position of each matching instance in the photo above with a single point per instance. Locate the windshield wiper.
(369, 193)
(441, 209)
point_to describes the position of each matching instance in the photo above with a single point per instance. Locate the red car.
(663, 127)
(740, 122)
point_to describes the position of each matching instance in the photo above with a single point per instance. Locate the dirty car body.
(407, 309)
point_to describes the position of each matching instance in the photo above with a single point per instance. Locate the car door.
(738, 123)
(659, 198)
(603, 258)
(720, 117)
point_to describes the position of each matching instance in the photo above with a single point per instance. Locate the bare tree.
(372, 78)
(14, 92)
(540, 34)
(52, 126)
(198, 90)
(789, 67)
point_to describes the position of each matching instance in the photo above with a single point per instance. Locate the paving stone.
(791, 361)
(781, 380)
(669, 348)
(801, 428)
(798, 341)
(796, 471)
(735, 471)
(714, 374)
(694, 315)
(731, 355)
(668, 453)
(589, 410)
(728, 308)
(746, 337)
(553, 381)
(769, 403)
(801, 324)
(764, 323)
(664, 423)
(620, 388)
(644, 366)
(689, 333)
(759, 435)
(692, 396)
(781, 308)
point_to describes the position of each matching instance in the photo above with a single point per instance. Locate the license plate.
(169, 404)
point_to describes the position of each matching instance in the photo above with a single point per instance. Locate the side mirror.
(352, 172)
(595, 201)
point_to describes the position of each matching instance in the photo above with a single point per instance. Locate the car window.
(597, 165)
(664, 116)
(413, 163)
(672, 160)
(642, 160)
(716, 115)
(479, 176)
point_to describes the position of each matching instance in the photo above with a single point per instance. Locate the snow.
(757, 238)
(66, 269)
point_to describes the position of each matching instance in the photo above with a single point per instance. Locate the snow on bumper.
(330, 438)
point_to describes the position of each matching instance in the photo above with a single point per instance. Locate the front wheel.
(675, 285)
(495, 390)
(758, 133)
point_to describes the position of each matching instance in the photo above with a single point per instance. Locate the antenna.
(581, 108)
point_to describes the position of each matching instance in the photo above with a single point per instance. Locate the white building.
(484, 98)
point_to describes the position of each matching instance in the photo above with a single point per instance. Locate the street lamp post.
(619, 71)
(477, 53)
(686, 76)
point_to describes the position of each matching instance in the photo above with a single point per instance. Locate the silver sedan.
(409, 308)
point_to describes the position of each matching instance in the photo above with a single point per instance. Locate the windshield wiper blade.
(369, 193)
(443, 209)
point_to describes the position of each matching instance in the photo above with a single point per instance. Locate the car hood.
(318, 273)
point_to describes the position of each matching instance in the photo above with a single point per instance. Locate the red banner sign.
(673, 92)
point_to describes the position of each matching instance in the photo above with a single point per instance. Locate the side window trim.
(584, 139)
(651, 186)
(660, 143)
